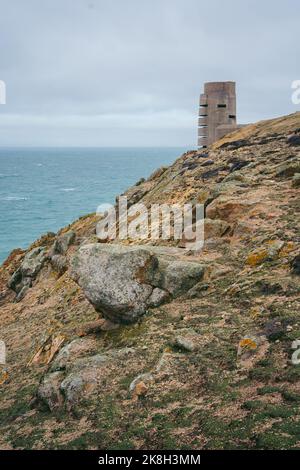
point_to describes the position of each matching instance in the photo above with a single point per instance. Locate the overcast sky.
(129, 72)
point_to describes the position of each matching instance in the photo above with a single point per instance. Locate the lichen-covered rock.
(141, 382)
(177, 276)
(187, 339)
(228, 209)
(288, 169)
(33, 262)
(72, 352)
(157, 173)
(215, 228)
(122, 282)
(72, 378)
(268, 252)
(251, 349)
(62, 243)
(59, 263)
(115, 279)
(59, 249)
(158, 297)
(21, 294)
(22, 278)
(49, 391)
(296, 180)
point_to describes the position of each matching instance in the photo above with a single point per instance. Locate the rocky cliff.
(139, 346)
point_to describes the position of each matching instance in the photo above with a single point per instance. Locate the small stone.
(296, 180)
(251, 349)
(96, 326)
(140, 385)
(293, 140)
(247, 346)
(48, 391)
(295, 344)
(158, 297)
(185, 343)
(187, 340)
(20, 296)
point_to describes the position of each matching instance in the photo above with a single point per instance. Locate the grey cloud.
(99, 72)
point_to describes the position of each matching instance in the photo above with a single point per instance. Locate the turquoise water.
(42, 190)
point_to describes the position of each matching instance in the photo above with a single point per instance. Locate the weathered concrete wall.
(217, 112)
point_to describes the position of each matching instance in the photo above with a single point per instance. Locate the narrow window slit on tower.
(232, 116)
(221, 105)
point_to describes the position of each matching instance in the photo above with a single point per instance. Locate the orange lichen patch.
(141, 389)
(288, 247)
(255, 312)
(257, 257)
(271, 250)
(248, 343)
(3, 377)
(46, 352)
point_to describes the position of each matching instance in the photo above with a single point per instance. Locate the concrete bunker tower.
(217, 112)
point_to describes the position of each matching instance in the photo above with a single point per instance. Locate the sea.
(45, 189)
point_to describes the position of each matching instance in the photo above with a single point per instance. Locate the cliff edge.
(129, 346)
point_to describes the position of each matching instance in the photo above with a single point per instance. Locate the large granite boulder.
(115, 279)
(122, 282)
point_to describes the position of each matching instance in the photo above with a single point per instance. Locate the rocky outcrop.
(72, 378)
(24, 276)
(122, 282)
(228, 209)
(59, 249)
